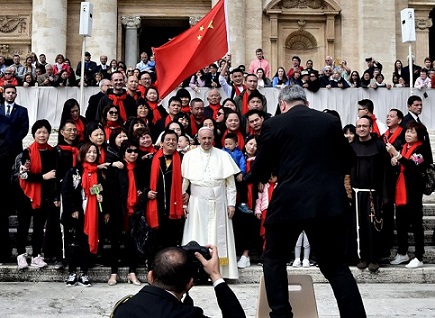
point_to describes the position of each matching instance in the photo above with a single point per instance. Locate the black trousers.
(326, 237)
(8, 200)
(53, 247)
(410, 214)
(117, 236)
(24, 215)
(76, 244)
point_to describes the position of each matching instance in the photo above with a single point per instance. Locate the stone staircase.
(386, 274)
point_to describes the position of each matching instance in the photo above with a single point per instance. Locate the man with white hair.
(210, 173)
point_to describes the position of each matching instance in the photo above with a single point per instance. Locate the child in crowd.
(231, 145)
(263, 200)
(302, 241)
(183, 145)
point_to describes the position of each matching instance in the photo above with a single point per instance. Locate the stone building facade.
(311, 29)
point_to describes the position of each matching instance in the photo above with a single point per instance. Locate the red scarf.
(102, 158)
(185, 109)
(245, 103)
(149, 149)
(156, 113)
(406, 153)
(118, 100)
(272, 186)
(375, 125)
(240, 139)
(391, 137)
(194, 125)
(33, 190)
(80, 129)
(110, 125)
(250, 186)
(168, 120)
(237, 90)
(176, 208)
(142, 90)
(132, 190)
(89, 179)
(74, 151)
(215, 109)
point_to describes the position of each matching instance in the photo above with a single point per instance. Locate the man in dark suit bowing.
(170, 278)
(14, 126)
(308, 150)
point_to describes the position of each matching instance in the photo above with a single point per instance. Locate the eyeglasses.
(8, 73)
(129, 70)
(71, 130)
(220, 113)
(129, 150)
(113, 113)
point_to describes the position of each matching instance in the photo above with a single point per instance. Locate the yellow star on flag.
(199, 37)
(201, 28)
(210, 25)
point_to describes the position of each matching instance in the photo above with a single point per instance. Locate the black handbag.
(429, 179)
(140, 233)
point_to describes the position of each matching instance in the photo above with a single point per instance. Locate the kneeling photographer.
(172, 276)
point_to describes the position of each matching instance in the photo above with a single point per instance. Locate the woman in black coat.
(409, 192)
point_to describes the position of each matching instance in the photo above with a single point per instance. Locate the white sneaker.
(305, 263)
(297, 263)
(414, 263)
(399, 259)
(244, 262)
(22, 261)
(38, 262)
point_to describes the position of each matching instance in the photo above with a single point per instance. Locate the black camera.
(193, 247)
(199, 275)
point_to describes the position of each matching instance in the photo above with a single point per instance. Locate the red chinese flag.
(184, 55)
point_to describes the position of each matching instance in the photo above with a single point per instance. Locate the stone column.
(49, 23)
(371, 41)
(104, 36)
(131, 42)
(237, 29)
(254, 37)
(422, 25)
(273, 42)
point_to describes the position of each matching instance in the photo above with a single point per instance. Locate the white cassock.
(212, 188)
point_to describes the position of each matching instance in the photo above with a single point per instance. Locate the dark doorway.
(432, 35)
(156, 32)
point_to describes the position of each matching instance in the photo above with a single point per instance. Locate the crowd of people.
(37, 71)
(186, 168)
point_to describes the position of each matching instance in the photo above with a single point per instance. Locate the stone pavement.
(47, 300)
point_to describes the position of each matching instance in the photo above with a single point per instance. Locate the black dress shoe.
(373, 267)
(362, 264)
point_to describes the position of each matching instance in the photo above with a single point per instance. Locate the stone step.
(250, 275)
(428, 238)
(429, 223)
(428, 209)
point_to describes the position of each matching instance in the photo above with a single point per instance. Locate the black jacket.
(308, 151)
(156, 302)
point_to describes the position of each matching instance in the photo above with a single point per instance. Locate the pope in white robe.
(210, 173)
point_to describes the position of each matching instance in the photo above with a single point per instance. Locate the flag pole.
(226, 24)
